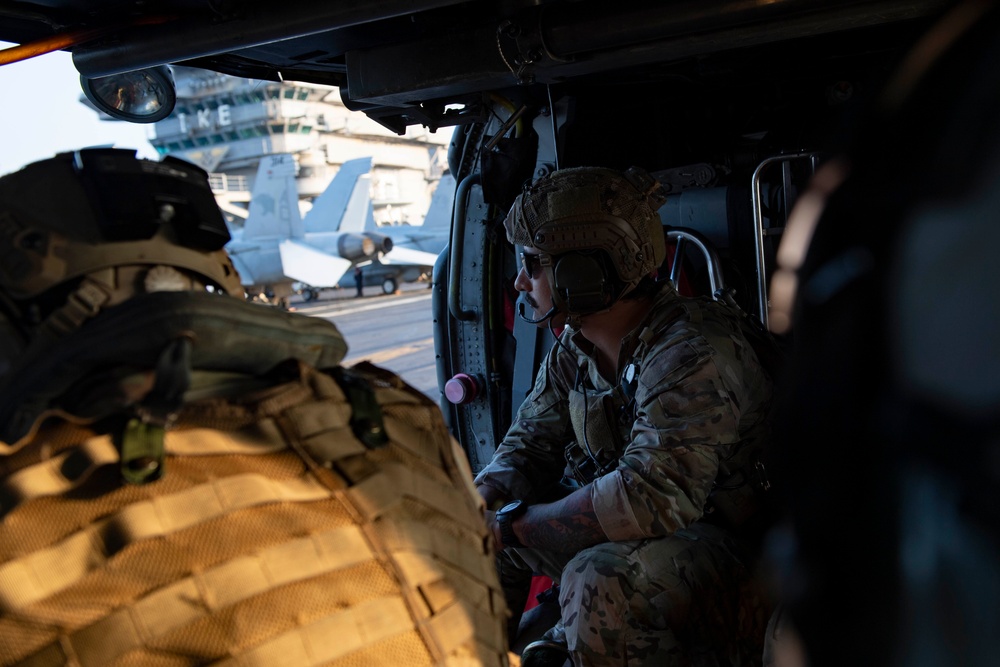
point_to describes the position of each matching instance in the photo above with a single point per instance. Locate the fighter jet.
(276, 247)
(414, 247)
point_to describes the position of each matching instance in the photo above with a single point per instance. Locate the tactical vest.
(279, 533)
(602, 423)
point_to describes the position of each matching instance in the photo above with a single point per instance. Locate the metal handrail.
(759, 232)
(459, 214)
(712, 263)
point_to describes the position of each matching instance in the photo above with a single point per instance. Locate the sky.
(40, 114)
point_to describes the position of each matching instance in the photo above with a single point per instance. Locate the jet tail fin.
(274, 201)
(346, 202)
(442, 202)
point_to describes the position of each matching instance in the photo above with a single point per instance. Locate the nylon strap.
(43, 573)
(57, 475)
(332, 637)
(366, 415)
(449, 623)
(262, 437)
(80, 306)
(142, 440)
(72, 467)
(450, 628)
(184, 602)
(379, 492)
(420, 538)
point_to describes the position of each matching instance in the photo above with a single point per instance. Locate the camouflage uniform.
(673, 585)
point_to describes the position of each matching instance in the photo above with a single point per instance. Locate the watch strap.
(505, 517)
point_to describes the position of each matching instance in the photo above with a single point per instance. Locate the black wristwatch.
(507, 514)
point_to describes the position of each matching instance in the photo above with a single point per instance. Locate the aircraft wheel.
(389, 286)
(310, 294)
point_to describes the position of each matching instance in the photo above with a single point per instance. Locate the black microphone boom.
(546, 316)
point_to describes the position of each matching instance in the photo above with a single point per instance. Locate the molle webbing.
(284, 540)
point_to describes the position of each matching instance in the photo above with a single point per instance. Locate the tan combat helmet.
(574, 215)
(87, 230)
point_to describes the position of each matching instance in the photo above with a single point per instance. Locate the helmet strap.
(82, 304)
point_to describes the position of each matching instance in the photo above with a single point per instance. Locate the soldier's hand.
(494, 499)
(494, 528)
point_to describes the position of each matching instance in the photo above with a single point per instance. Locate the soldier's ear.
(583, 281)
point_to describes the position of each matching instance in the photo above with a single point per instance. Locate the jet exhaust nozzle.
(356, 247)
(383, 244)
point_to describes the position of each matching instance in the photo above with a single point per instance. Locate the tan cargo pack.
(275, 537)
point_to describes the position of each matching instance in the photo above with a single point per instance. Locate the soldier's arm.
(664, 477)
(531, 457)
(660, 486)
(568, 524)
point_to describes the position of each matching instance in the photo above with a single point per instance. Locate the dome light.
(142, 96)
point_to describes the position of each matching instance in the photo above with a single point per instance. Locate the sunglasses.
(531, 263)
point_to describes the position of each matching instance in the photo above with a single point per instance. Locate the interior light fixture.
(142, 96)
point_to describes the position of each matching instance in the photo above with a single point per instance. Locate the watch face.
(510, 507)
(505, 516)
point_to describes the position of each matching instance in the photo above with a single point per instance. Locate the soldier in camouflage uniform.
(187, 478)
(654, 407)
